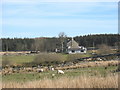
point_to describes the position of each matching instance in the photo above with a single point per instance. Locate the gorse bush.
(49, 58)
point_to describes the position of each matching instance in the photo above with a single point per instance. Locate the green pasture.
(20, 59)
(29, 76)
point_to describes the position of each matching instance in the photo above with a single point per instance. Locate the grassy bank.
(19, 59)
(28, 76)
(92, 77)
(50, 58)
(68, 82)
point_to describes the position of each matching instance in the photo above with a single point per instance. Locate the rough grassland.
(91, 71)
(19, 59)
(93, 77)
(84, 77)
(68, 82)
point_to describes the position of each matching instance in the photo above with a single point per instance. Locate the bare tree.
(39, 44)
(62, 37)
(104, 49)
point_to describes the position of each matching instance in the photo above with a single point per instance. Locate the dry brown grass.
(111, 81)
(91, 64)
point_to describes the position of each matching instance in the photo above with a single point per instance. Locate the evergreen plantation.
(49, 44)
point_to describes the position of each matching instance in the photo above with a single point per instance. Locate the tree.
(62, 38)
(39, 44)
(104, 49)
(50, 44)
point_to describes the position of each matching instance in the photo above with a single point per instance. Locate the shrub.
(104, 49)
(48, 58)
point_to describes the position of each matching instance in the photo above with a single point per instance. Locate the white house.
(73, 47)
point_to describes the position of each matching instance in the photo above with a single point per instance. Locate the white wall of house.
(76, 51)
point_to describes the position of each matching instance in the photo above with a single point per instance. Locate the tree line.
(45, 44)
(89, 40)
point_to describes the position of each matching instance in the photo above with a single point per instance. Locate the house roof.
(73, 44)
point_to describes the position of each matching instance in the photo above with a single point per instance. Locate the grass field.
(94, 77)
(20, 59)
(68, 82)
(92, 71)
(85, 77)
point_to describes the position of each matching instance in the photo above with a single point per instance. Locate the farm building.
(73, 47)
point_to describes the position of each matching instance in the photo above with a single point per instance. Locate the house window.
(82, 50)
(73, 51)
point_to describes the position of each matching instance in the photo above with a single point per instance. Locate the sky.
(35, 18)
